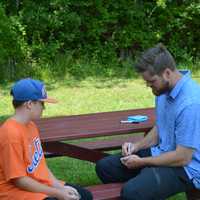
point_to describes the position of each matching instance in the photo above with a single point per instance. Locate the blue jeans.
(85, 194)
(148, 183)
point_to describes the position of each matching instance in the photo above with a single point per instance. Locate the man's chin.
(156, 93)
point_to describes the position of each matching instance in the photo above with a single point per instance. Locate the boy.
(24, 174)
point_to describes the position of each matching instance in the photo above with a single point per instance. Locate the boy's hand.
(68, 193)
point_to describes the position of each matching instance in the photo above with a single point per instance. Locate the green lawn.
(88, 96)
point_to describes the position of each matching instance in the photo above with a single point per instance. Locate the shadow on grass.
(106, 76)
(99, 76)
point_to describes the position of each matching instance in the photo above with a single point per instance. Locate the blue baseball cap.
(30, 89)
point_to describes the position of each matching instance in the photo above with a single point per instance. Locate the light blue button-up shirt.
(178, 122)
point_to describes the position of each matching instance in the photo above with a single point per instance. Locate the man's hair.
(155, 60)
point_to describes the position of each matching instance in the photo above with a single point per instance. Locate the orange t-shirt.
(21, 155)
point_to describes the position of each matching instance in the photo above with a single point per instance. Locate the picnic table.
(56, 132)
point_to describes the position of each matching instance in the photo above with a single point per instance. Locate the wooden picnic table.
(55, 130)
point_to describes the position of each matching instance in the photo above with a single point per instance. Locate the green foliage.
(35, 34)
(178, 26)
(161, 3)
(11, 45)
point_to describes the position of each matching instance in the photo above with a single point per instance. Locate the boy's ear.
(28, 104)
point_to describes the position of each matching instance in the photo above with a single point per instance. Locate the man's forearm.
(177, 158)
(149, 140)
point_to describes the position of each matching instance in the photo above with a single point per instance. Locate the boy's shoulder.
(10, 131)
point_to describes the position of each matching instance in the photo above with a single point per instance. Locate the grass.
(87, 96)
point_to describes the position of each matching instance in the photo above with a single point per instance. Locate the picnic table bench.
(56, 132)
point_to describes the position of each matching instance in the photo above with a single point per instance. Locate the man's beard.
(164, 89)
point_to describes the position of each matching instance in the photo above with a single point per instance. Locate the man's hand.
(128, 148)
(68, 193)
(132, 161)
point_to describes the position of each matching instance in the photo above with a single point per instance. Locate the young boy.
(24, 174)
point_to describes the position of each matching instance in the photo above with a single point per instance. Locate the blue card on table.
(135, 119)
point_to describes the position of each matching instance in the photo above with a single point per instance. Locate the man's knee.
(108, 169)
(100, 166)
(102, 169)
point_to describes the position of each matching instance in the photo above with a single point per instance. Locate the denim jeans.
(85, 194)
(148, 183)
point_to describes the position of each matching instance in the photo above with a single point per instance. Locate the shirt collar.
(186, 76)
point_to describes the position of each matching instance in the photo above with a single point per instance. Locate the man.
(23, 170)
(167, 160)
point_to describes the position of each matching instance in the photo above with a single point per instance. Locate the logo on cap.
(44, 93)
